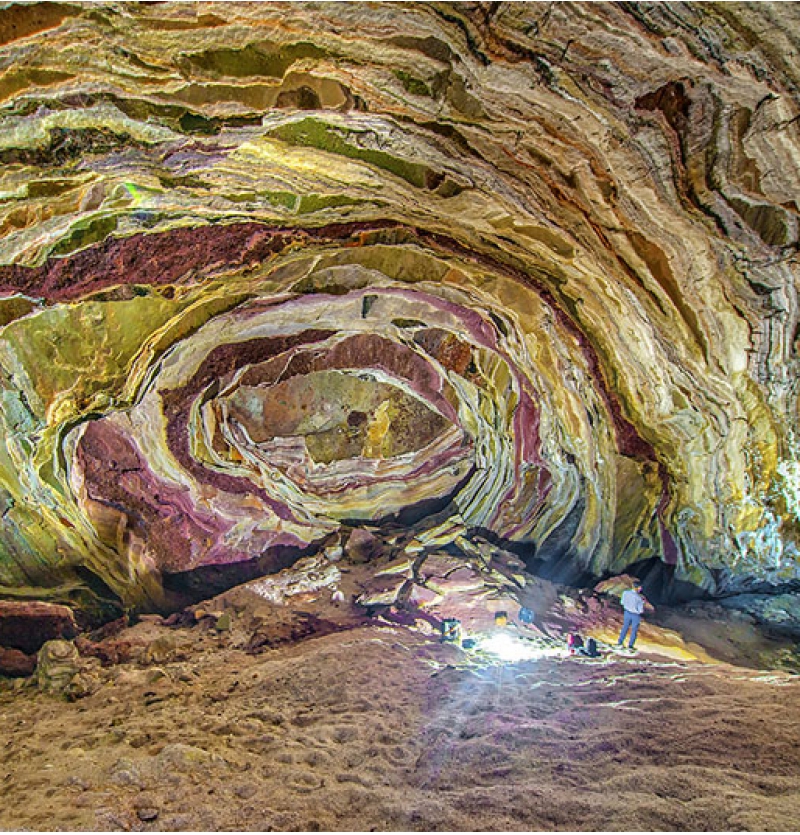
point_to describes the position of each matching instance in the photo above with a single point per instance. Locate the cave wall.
(268, 270)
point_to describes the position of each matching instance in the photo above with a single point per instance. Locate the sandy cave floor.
(381, 728)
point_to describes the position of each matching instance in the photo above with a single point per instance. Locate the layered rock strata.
(270, 272)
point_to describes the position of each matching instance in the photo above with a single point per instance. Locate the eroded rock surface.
(273, 273)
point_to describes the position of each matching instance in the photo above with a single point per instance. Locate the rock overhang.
(560, 289)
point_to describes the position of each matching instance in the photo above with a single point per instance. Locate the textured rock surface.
(379, 728)
(14, 662)
(272, 270)
(27, 625)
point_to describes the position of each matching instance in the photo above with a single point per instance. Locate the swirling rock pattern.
(271, 270)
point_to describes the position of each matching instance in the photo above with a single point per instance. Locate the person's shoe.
(630, 650)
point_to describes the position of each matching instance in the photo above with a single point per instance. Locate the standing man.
(633, 603)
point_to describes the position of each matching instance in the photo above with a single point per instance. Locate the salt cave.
(334, 320)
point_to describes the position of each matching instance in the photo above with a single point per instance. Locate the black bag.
(591, 648)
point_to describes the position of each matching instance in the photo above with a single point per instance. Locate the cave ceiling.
(272, 271)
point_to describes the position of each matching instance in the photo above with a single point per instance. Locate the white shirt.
(632, 601)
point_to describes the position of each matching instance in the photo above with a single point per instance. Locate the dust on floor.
(379, 727)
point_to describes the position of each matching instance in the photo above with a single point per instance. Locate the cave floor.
(378, 727)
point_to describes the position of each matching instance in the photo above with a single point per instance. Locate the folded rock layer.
(270, 272)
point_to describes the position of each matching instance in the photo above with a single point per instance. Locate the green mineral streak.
(243, 197)
(408, 323)
(315, 133)
(305, 204)
(70, 354)
(134, 193)
(14, 307)
(283, 199)
(51, 595)
(413, 85)
(14, 82)
(196, 123)
(51, 188)
(263, 59)
(316, 202)
(84, 234)
(29, 550)
(188, 181)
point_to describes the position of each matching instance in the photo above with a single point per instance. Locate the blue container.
(451, 631)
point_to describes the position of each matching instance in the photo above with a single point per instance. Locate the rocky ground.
(248, 713)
